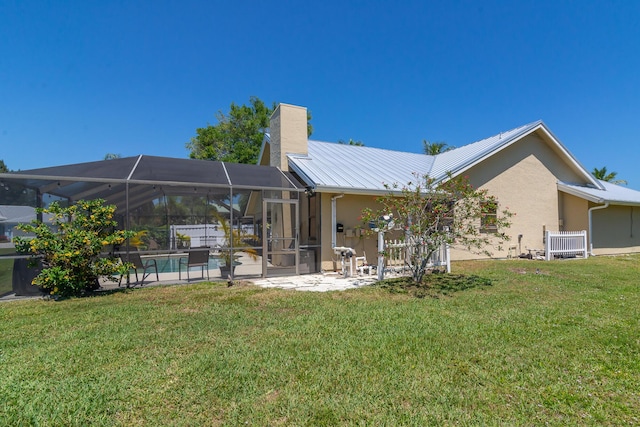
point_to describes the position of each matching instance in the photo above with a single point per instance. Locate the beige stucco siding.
(616, 229)
(524, 179)
(348, 212)
(573, 213)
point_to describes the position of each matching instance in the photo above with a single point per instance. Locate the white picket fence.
(396, 256)
(565, 244)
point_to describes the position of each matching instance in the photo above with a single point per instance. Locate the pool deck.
(249, 271)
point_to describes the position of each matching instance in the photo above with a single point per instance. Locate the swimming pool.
(169, 263)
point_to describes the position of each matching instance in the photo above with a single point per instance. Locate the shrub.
(70, 246)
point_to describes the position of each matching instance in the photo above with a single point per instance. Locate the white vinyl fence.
(564, 244)
(396, 256)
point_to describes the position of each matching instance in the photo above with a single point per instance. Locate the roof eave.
(539, 125)
(581, 194)
(490, 152)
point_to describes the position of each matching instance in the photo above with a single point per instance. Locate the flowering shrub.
(70, 246)
(431, 213)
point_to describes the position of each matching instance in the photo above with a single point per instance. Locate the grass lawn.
(6, 271)
(548, 343)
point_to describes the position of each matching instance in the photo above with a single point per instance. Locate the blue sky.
(80, 79)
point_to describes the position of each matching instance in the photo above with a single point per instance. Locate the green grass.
(557, 346)
(6, 271)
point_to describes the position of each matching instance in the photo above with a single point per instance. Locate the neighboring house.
(528, 169)
(11, 216)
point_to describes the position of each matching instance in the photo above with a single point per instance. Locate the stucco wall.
(524, 178)
(616, 229)
(348, 211)
(573, 212)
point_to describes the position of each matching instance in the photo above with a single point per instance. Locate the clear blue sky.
(80, 79)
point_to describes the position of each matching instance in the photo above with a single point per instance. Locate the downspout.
(334, 221)
(606, 205)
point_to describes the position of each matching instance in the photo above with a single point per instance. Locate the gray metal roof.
(353, 169)
(340, 167)
(13, 214)
(612, 193)
(462, 158)
(356, 169)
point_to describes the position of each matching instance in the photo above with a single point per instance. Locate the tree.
(70, 247)
(433, 148)
(432, 213)
(3, 167)
(351, 142)
(237, 137)
(111, 156)
(602, 174)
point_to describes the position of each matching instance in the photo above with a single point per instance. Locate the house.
(304, 199)
(11, 216)
(527, 168)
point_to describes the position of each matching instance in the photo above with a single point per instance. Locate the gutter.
(606, 205)
(334, 225)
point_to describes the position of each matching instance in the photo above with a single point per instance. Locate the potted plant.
(183, 241)
(240, 242)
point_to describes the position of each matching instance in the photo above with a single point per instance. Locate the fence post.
(380, 255)
(547, 246)
(447, 253)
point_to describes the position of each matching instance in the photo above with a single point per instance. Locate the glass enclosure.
(247, 216)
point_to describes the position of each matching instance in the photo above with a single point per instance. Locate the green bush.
(71, 245)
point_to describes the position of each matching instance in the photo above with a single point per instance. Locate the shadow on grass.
(434, 285)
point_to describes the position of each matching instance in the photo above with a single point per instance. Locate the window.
(489, 217)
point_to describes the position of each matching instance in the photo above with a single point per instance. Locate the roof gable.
(346, 168)
(461, 159)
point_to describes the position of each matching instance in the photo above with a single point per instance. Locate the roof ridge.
(368, 147)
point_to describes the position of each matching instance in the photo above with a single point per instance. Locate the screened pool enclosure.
(247, 216)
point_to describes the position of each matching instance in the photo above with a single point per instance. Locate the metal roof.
(12, 214)
(356, 169)
(462, 158)
(612, 193)
(335, 167)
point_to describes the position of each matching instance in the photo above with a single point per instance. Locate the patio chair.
(196, 258)
(147, 267)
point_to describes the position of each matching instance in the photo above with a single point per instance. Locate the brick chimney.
(288, 131)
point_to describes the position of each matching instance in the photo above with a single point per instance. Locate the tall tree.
(433, 148)
(3, 167)
(237, 137)
(602, 175)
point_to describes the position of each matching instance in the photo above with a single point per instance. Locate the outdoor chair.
(196, 258)
(147, 266)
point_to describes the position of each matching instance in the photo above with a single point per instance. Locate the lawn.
(6, 271)
(547, 343)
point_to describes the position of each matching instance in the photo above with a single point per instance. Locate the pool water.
(170, 263)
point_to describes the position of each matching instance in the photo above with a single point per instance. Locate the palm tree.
(602, 175)
(433, 148)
